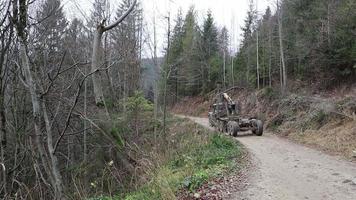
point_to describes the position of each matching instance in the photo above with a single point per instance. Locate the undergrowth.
(191, 168)
(194, 155)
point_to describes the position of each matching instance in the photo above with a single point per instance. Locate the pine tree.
(127, 42)
(191, 68)
(247, 39)
(209, 49)
(175, 55)
(223, 39)
(209, 37)
(50, 32)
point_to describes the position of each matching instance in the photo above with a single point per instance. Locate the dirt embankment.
(326, 121)
(193, 106)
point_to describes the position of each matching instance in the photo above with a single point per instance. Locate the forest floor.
(282, 169)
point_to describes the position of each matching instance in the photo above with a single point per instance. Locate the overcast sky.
(229, 13)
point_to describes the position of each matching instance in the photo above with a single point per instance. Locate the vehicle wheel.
(224, 127)
(219, 126)
(211, 123)
(258, 128)
(233, 128)
(229, 128)
(211, 120)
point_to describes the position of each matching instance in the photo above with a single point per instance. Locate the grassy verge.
(189, 170)
(193, 157)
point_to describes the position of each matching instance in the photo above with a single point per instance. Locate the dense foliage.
(318, 38)
(193, 61)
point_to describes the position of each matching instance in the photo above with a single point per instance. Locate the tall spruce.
(209, 49)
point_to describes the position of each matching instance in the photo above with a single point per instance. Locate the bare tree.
(167, 73)
(49, 163)
(6, 33)
(270, 52)
(97, 50)
(156, 94)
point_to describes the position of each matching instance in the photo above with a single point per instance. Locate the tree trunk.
(50, 168)
(96, 56)
(248, 64)
(58, 183)
(3, 142)
(155, 84)
(328, 24)
(95, 65)
(224, 69)
(257, 60)
(232, 71)
(85, 133)
(284, 72)
(3, 137)
(270, 55)
(167, 73)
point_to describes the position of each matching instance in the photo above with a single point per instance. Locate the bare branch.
(118, 21)
(74, 104)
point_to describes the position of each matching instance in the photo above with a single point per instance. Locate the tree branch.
(118, 21)
(73, 106)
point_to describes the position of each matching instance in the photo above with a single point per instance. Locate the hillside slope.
(326, 121)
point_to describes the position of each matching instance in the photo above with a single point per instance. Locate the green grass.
(191, 169)
(193, 156)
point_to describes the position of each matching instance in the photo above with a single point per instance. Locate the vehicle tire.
(224, 127)
(211, 120)
(258, 128)
(211, 123)
(229, 128)
(219, 124)
(233, 128)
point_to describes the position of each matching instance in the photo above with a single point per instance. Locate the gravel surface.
(283, 170)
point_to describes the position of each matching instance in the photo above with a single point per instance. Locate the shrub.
(194, 182)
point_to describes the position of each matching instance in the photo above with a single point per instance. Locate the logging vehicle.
(225, 117)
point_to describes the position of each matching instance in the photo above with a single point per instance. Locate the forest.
(83, 114)
(304, 43)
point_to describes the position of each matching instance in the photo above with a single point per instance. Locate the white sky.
(229, 13)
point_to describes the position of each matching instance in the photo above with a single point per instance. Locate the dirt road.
(283, 170)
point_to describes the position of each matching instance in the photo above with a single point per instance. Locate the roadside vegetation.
(190, 156)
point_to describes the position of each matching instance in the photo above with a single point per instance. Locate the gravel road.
(283, 170)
